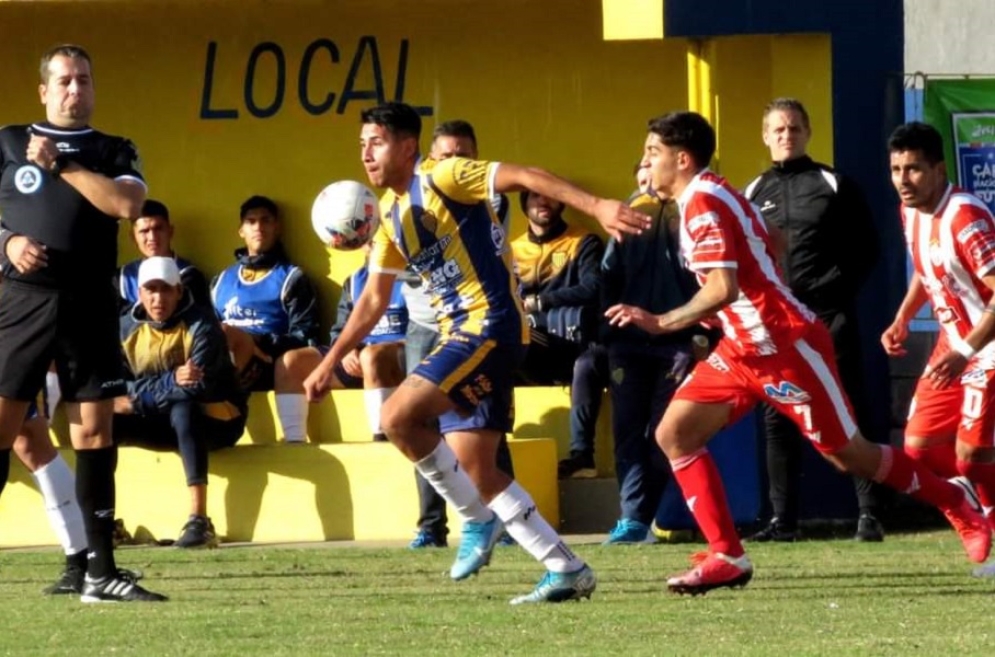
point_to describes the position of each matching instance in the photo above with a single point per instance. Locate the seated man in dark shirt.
(182, 393)
(559, 268)
(269, 313)
(153, 235)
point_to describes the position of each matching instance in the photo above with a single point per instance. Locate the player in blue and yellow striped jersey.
(437, 218)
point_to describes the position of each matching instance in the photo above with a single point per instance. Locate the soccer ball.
(345, 215)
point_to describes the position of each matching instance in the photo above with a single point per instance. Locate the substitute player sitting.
(951, 238)
(438, 219)
(773, 349)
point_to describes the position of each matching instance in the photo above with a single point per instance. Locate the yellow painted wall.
(539, 89)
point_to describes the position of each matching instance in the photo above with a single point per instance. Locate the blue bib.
(255, 307)
(393, 326)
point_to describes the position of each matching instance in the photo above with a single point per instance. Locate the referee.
(63, 188)
(829, 246)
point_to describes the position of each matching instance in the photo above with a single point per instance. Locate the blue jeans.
(643, 381)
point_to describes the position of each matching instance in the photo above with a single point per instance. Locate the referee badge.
(28, 179)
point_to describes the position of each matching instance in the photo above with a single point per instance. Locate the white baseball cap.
(158, 268)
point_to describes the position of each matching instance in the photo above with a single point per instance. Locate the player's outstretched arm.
(370, 307)
(615, 217)
(720, 289)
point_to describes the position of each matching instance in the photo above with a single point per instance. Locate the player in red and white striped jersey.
(773, 350)
(951, 237)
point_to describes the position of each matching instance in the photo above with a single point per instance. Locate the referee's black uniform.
(66, 311)
(831, 247)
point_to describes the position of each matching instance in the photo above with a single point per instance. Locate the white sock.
(514, 506)
(58, 488)
(53, 393)
(448, 479)
(374, 399)
(291, 408)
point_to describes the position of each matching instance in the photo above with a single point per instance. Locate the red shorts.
(800, 381)
(965, 408)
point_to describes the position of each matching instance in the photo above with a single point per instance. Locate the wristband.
(963, 348)
(60, 163)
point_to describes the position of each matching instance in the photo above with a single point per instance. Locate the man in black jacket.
(644, 270)
(828, 246)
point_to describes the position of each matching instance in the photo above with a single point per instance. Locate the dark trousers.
(554, 361)
(184, 429)
(418, 342)
(643, 381)
(785, 443)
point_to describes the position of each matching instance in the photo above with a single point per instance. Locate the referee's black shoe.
(122, 586)
(70, 582)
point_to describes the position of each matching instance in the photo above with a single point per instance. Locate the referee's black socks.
(95, 492)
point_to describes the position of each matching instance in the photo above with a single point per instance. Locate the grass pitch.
(911, 594)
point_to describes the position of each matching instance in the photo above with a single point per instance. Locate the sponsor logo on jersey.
(786, 392)
(768, 206)
(28, 179)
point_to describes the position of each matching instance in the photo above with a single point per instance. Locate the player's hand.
(42, 151)
(26, 254)
(617, 218)
(622, 315)
(318, 383)
(189, 374)
(893, 338)
(946, 369)
(352, 365)
(122, 405)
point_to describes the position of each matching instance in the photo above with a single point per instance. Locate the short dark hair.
(917, 136)
(69, 50)
(456, 128)
(153, 208)
(687, 131)
(399, 118)
(258, 203)
(785, 104)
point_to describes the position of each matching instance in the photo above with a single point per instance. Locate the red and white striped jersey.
(721, 229)
(951, 250)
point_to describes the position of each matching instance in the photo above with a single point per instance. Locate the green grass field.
(911, 594)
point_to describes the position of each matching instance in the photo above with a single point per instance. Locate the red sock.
(982, 475)
(903, 474)
(941, 459)
(705, 495)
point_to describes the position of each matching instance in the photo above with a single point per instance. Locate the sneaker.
(426, 538)
(560, 587)
(198, 533)
(70, 582)
(712, 570)
(776, 531)
(475, 547)
(119, 587)
(628, 531)
(577, 466)
(869, 529)
(987, 571)
(975, 532)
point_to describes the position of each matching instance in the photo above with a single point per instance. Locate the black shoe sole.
(702, 589)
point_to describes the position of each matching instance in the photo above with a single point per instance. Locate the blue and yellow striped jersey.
(445, 228)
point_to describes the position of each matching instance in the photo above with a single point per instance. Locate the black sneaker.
(119, 587)
(775, 531)
(869, 530)
(577, 466)
(198, 533)
(70, 582)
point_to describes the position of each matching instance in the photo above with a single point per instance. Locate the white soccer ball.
(345, 215)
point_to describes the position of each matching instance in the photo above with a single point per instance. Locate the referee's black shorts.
(77, 329)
